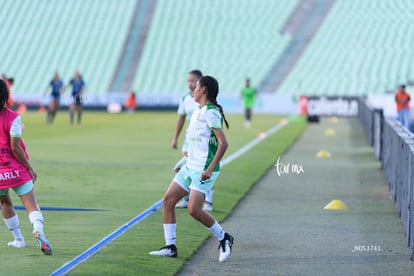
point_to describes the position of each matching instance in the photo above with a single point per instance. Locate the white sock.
(217, 231)
(14, 227)
(36, 219)
(170, 233)
(209, 197)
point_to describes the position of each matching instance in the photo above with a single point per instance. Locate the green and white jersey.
(203, 143)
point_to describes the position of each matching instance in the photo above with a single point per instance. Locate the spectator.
(402, 98)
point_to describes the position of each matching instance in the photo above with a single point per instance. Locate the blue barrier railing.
(397, 161)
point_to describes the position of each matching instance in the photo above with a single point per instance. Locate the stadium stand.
(349, 48)
(302, 25)
(362, 48)
(227, 39)
(47, 36)
(133, 46)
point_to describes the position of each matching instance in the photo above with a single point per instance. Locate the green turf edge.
(128, 254)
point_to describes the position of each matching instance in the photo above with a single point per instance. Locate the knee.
(168, 201)
(194, 211)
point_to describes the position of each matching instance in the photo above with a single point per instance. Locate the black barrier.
(394, 146)
(372, 122)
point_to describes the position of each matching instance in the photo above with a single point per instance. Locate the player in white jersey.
(185, 109)
(207, 145)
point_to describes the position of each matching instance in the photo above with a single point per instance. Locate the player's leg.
(27, 196)
(71, 112)
(177, 189)
(184, 151)
(247, 117)
(11, 220)
(208, 202)
(79, 112)
(49, 112)
(55, 104)
(197, 196)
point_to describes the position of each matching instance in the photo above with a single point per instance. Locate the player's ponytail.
(4, 94)
(212, 91)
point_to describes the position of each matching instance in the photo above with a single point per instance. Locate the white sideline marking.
(251, 144)
(67, 267)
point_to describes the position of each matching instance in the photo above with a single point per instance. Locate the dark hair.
(212, 91)
(4, 94)
(196, 73)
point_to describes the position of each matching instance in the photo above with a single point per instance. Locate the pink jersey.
(12, 172)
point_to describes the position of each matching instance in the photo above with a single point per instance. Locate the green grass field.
(122, 164)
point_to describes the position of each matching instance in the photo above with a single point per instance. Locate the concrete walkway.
(282, 228)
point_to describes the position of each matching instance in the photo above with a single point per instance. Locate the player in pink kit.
(17, 173)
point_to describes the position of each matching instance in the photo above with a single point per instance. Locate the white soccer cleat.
(166, 251)
(225, 247)
(17, 244)
(182, 204)
(207, 206)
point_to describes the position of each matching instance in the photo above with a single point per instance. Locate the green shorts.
(191, 180)
(19, 190)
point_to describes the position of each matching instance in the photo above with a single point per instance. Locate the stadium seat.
(64, 36)
(361, 48)
(230, 40)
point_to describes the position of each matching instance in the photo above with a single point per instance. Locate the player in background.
(78, 88)
(185, 109)
(16, 172)
(207, 144)
(57, 89)
(131, 102)
(248, 95)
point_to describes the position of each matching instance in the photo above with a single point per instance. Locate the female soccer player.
(78, 88)
(207, 145)
(185, 110)
(17, 173)
(57, 88)
(248, 94)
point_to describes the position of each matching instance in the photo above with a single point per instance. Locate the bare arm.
(222, 147)
(18, 153)
(178, 128)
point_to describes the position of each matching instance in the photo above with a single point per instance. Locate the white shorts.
(191, 180)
